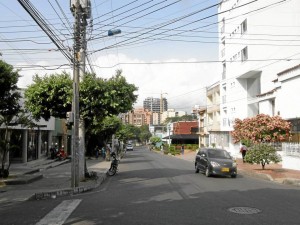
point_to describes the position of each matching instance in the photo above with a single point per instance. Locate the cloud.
(184, 83)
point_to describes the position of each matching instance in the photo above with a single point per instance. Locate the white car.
(129, 147)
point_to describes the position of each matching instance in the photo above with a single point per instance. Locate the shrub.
(262, 154)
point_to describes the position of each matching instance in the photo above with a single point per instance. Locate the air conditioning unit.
(85, 5)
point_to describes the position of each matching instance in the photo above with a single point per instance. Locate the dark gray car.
(213, 161)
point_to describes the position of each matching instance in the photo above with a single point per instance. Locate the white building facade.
(258, 40)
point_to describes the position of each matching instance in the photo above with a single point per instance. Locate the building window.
(223, 26)
(224, 71)
(244, 26)
(224, 99)
(244, 54)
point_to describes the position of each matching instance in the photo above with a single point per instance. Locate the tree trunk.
(263, 165)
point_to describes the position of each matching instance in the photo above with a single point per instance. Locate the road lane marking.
(60, 214)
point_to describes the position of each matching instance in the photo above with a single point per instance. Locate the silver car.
(213, 161)
(129, 147)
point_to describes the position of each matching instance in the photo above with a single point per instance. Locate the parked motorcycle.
(114, 165)
(61, 155)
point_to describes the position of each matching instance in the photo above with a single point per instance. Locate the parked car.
(129, 147)
(213, 161)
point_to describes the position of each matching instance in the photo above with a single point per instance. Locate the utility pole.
(75, 102)
(81, 10)
(82, 162)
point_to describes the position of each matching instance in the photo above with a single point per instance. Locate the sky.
(166, 48)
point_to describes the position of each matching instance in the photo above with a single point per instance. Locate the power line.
(38, 19)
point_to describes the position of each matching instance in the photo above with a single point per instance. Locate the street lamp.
(113, 32)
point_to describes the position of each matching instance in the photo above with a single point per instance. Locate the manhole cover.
(244, 210)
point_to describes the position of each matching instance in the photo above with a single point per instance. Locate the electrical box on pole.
(85, 5)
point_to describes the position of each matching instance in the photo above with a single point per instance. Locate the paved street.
(151, 188)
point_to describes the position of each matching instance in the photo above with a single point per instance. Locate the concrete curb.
(69, 191)
(26, 179)
(30, 176)
(256, 175)
(289, 181)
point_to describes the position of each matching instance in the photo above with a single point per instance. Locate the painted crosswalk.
(60, 214)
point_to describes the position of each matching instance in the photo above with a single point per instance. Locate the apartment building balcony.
(214, 126)
(213, 108)
(223, 75)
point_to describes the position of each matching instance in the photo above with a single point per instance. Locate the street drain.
(244, 210)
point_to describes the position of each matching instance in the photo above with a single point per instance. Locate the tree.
(145, 134)
(261, 128)
(127, 132)
(10, 110)
(98, 98)
(154, 140)
(102, 132)
(180, 118)
(50, 95)
(262, 154)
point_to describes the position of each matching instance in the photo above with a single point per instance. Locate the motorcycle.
(114, 165)
(61, 155)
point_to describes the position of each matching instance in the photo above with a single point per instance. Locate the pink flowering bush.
(261, 128)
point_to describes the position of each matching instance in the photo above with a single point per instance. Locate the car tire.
(207, 172)
(233, 175)
(196, 168)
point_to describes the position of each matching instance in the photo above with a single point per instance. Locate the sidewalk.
(272, 172)
(43, 179)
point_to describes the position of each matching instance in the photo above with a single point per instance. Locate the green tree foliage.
(145, 134)
(261, 128)
(99, 101)
(128, 132)
(180, 118)
(10, 110)
(9, 95)
(102, 132)
(262, 154)
(100, 97)
(50, 95)
(154, 140)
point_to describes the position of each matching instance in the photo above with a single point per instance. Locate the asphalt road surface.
(151, 188)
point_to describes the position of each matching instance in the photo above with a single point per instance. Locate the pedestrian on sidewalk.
(96, 151)
(103, 152)
(182, 149)
(243, 150)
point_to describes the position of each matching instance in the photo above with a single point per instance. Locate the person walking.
(243, 150)
(182, 149)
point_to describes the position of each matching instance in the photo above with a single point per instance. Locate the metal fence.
(291, 149)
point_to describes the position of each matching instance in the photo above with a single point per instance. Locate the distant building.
(171, 113)
(182, 132)
(154, 104)
(137, 117)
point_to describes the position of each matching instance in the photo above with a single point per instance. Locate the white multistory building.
(259, 40)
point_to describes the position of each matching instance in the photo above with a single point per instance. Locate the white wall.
(266, 39)
(288, 97)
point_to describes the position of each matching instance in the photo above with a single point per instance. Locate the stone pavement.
(272, 172)
(43, 179)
